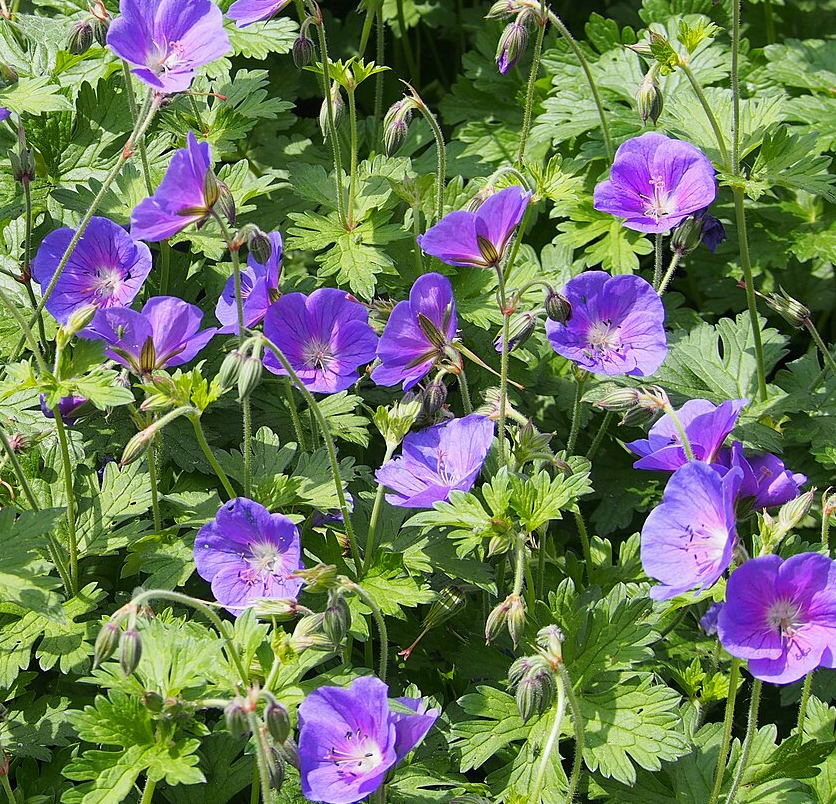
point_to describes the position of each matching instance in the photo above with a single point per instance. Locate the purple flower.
(708, 622)
(781, 616)
(713, 232)
(437, 460)
(706, 426)
(107, 268)
(259, 285)
(511, 46)
(688, 539)
(167, 40)
(247, 554)
(326, 337)
(4, 113)
(766, 481)
(184, 196)
(656, 182)
(320, 518)
(617, 325)
(418, 334)
(68, 406)
(477, 238)
(350, 738)
(246, 12)
(166, 333)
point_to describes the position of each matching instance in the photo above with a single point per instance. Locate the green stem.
(152, 480)
(585, 543)
(769, 23)
(352, 174)
(255, 788)
(503, 365)
(657, 261)
(605, 128)
(825, 533)
(751, 302)
(677, 619)
(207, 451)
(143, 154)
(686, 444)
(27, 258)
(68, 485)
(165, 267)
(148, 791)
(407, 45)
(373, 520)
(541, 565)
(28, 335)
(805, 698)
(329, 446)
(751, 730)
(530, 592)
(576, 414)
(519, 566)
(262, 756)
(126, 153)
(4, 780)
(735, 87)
(381, 627)
(441, 162)
(368, 20)
(329, 117)
(712, 120)
(825, 352)
(532, 81)
(728, 722)
(666, 280)
(599, 436)
(467, 404)
(380, 57)
(294, 415)
(577, 721)
(551, 742)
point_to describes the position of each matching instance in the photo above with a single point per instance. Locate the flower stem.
(373, 520)
(27, 258)
(503, 365)
(825, 352)
(380, 59)
(207, 451)
(7, 788)
(68, 485)
(751, 729)
(152, 480)
(657, 261)
(329, 446)
(352, 173)
(148, 791)
(735, 87)
(666, 280)
(605, 127)
(599, 436)
(585, 544)
(329, 117)
(28, 335)
(294, 415)
(551, 742)
(262, 755)
(709, 113)
(407, 46)
(686, 444)
(467, 404)
(381, 627)
(577, 720)
(576, 414)
(138, 130)
(805, 698)
(532, 81)
(728, 722)
(441, 153)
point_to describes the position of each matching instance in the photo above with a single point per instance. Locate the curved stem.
(7, 789)
(751, 729)
(467, 404)
(577, 721)
(551, 742)
(28, 335)
(148, 791)
(152, 481)
(735, 86)
(686, 444)
(728, 722)
(585, 544)
(541, 564)
(709, 113)
(822, 346)
(532, 81)
(352, 173)
(599, 436)
(27, 258)
(294, 415)
(441, 153)
(666, 280)
(143, 154)
(330, 446)
(805, 698)
(605, 128)
(373, 520)
(657, 260)
(381, 627)
(207, 451)
(68, 485)
(576, 414)
(262, 756)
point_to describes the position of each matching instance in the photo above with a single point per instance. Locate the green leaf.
(343, 420)
(34, 96)
(258, 41)
(392, 588)
(112, 775)
(819, 725)
(541, 499)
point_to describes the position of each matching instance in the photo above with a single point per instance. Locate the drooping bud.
(275, 769)
(290, 752)
(687, 236)
(521, 328)
(337, 618)
(154, 702)
(308, 634)
(501, 8)
(303, 50)
(107, 640)
(396, 125)
(130, 650)
(558, 308)
(23, 164)
(619, 400)
(235, 715)
(280, 609)
(435, 395)
(249, 376)
(511, 614)
(320, 578)
(231, 369)
(649, 98)
(791, 310)
(550, 639)
(80, 37)
(792, 512)
(258, 242)
(225, 202)
(533, 682)
(337, 110)
(277, 719)
(638, 416)
(100, 28)
(511, 45)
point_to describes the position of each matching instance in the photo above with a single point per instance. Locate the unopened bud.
(79, 38)
(23, 165)
(533, 682)
(687, 236)
(235, 715)
(275, 769)
(290, 751)
(511, 46)
(520, 329)
(154, 702)
(638, 416)
(479, 198)
(828, 503)
(501, 8)
(435, 395)
(249, 376)
(649, 98)
(558, 307)
(303, 51)
(79, 319)
(226, 203)
(107, 640)
(511, 614)
(788, 308)
(337, 618)
(130, 650)
(396, 125)
(258, 242)
(320, 578)
(211, 191)
(619, 400)
(337, 110)
(792, 512)
(136, 447)
(550, 639)
(100, 28)
(277, 719)
(231, 369)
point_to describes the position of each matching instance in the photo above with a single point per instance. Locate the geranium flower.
(688, 539)
(477, 238)
(185, 196)
(781, 616)
(418, 334)
(70, 408)
(246, 12)
(247, 554)
(766, 481)
(617, 325)
(106, 268)
(706, 426)
(349, 739)
(259, 285)
(326, 337)
(167, 40)
(166, 333)
(656, 182)
(437, 460)
(4, 113)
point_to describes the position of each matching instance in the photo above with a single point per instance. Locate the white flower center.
(604, 337)
(783, 616)
(107, 282)
(355, 754)
(264, 558)
(658, 204)
(318, 354)
(167, 57)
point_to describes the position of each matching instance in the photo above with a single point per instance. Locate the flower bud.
(511, 614)
(621, 399)
(77, 321)
(8, 75)
(828, 503)
(154, 702)
(100, 28)
(434, 396)
(550, 639)
(788, 308)
(534, 685)
(23, 165)
(235, 715)
(277, 719)
(275, 769)
(303, 51)
(396, 125)
(211, 193)
(107, 640)
(501, 8)
(649, 98)
(792, 512)
(479, 198)
(638, 416)
(557, 307)
(258, 242)
(511, 46)
(79, 38)
(520, 329)
(337, 618)
(290, 751)
(130, 650)
(687, 236)
(337, 110)
(231, 369)
(281, 609)
(320, 578)
(225, 202)
(307, 634)
(136, 447)
(249, 376)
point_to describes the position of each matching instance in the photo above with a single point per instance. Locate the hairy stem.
(805, 698)
(207, 451)
(352, 173)
(407, 45)
(728, 722)
(380, 58)
(381, 627)
(599, 436)
(503, 365)
(585, 543)
(152, 480)
(373, 520)
(467, 404)
(551, 742)
(72, 538)
(262, 756)
(666, 279)
(822, 346)
(7, 789)
(148, 791)
(709, 113)
(751, 730)
(657, 260)
(683, 436)
(577, 721)
(441, 154)
(294, 415)
(576, 414)
(532, 81)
